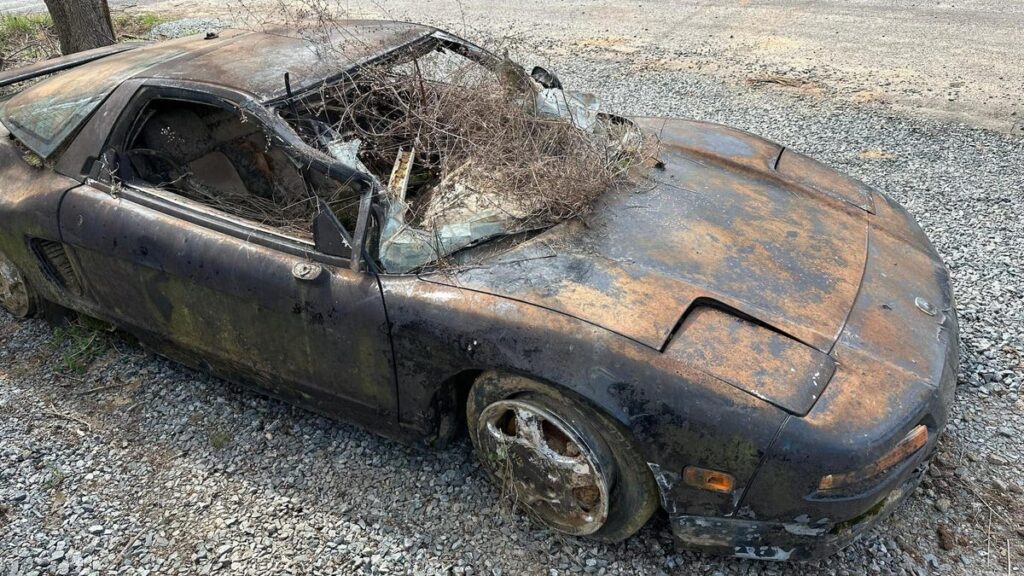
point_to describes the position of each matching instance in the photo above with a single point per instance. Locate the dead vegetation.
(777, 80)
(463, 145)
(466, 147)
(543, 169)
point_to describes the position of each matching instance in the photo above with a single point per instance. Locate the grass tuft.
(80, 343)
(135, 26)
(220, 439)
(54, 478)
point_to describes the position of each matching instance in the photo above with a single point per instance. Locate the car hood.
(724, 218)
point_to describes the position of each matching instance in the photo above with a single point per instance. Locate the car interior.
(226, 160)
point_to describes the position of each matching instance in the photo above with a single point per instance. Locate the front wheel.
(567, 463)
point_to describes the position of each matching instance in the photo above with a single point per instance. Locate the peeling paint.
(763, 553)
(665, 481)
(804, 529)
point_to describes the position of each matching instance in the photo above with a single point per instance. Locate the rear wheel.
(16, 296)
(567, 463)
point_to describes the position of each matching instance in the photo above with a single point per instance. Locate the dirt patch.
(876, 155)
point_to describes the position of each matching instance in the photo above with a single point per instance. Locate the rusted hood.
(717, 223)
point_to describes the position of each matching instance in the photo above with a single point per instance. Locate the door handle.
(306, 271)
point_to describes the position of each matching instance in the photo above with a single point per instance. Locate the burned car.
(730, 331)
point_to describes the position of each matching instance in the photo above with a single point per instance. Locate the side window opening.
(225, 160)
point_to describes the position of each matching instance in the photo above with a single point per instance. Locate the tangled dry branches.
(476, 122)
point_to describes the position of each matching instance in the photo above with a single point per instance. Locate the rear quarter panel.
(29, 202)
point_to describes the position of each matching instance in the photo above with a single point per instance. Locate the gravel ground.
(184, 27)
(115, 460)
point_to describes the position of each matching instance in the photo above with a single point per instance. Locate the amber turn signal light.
(911, 443)
(705, 479)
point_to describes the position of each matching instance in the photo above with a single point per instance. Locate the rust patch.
(715, 223)
(598, 291)
(754, 359)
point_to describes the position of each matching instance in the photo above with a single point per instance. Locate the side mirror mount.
(329, 236)
(107, 166)
(545, 78)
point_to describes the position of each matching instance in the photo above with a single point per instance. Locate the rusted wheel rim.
(13, 290)
(544, 464)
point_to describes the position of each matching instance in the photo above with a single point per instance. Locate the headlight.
(907, 447)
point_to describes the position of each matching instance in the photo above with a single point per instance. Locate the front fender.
(678, 416)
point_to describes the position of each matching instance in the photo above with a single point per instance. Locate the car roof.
(45, 114)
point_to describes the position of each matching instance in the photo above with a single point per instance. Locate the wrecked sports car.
(732, 332)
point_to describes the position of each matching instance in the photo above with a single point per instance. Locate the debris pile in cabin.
(463, 152)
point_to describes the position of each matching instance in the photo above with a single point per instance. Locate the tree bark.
(81, 24)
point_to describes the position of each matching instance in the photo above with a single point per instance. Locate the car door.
(230, 295)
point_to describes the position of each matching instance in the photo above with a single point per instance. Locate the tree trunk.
(81, 24)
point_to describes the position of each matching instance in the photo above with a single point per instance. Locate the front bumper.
(786, 541)
(897, 364)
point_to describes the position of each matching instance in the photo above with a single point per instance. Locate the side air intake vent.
(54, 261)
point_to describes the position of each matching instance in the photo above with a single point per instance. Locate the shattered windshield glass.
(462, 152)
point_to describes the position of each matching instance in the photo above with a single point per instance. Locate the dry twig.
(53, 412)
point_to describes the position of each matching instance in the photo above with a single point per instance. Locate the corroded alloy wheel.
(562, 459)
(546, 465)
(15, 295)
